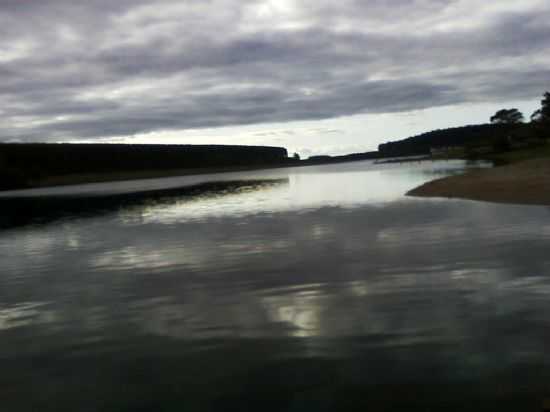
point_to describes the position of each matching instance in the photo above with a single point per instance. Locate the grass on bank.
(515, 156)
(500, 157)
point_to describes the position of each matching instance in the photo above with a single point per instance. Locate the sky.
(317, 77)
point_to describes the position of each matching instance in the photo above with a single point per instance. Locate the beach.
(526, 182)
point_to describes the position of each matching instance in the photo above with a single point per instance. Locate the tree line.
(505, 125)
(514, 116)
(23, 164)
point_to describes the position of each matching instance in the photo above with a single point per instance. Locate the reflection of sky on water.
(25, 314)
(347, 185)
(341, 275)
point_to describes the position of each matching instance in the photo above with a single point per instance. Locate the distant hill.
(490, 135)
(456, 136)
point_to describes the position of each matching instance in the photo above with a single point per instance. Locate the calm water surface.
(318, 288)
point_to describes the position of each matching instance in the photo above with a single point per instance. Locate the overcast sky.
(323, 76)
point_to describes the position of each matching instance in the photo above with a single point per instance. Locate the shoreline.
(91, 178)
(37, 165)
(86, 178)
(525, 182)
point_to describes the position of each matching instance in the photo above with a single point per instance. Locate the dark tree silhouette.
(456, 136)
(507, 116)
(296, 156)
(542, 115)
(35, 161)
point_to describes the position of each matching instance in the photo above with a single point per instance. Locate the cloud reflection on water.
(460, 287)
(324, 273)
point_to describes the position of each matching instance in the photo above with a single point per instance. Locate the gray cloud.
(97, 69)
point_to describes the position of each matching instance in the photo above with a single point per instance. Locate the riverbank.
(524, 182)
(85, 178)
(37, 165)
(102, 177)
(31, 165)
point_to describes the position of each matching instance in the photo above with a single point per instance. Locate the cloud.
(98, 69)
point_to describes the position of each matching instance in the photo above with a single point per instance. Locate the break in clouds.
(100, 68)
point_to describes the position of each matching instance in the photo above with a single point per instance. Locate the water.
(318, 288)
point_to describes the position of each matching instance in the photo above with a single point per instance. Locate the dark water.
(320, 288)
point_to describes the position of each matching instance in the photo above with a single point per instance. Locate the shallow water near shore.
(315, 288)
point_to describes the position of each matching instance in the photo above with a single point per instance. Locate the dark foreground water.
(320, 288)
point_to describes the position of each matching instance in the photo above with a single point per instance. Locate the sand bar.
(526, 182)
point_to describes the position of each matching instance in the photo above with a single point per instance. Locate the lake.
(313, 288)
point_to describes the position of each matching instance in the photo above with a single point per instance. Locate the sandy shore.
(526, 182)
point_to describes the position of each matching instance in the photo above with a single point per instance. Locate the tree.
(542, 115)
(507, 116)
(296, 156)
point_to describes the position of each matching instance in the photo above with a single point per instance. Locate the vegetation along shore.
(522, 174)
